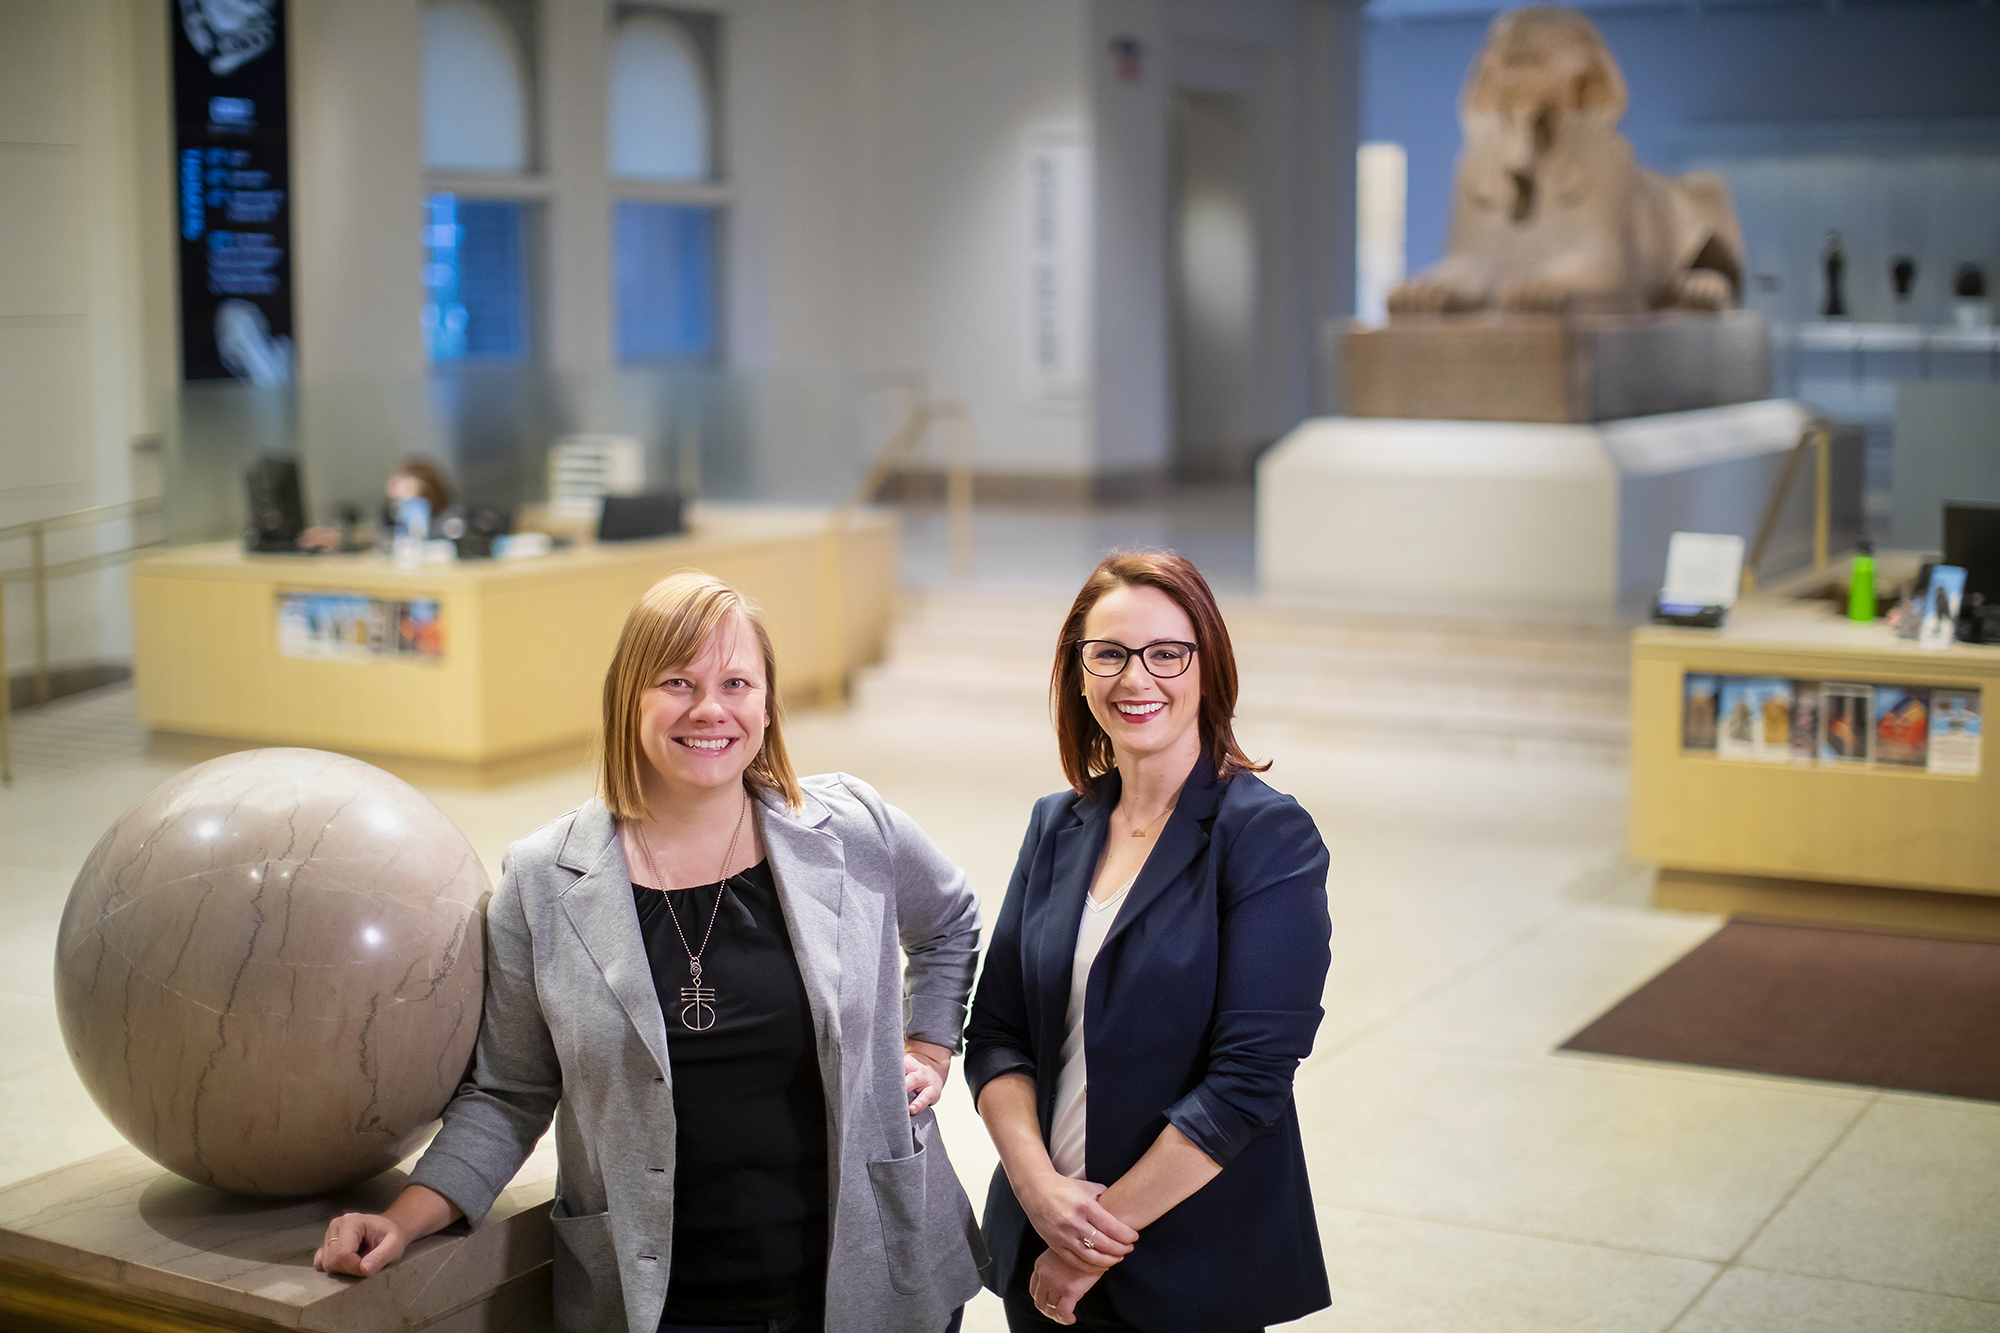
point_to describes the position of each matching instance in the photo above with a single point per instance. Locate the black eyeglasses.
(1163, 658)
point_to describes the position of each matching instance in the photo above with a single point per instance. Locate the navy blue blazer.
(1203, 1000)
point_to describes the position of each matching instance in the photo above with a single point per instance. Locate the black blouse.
(750, 1183)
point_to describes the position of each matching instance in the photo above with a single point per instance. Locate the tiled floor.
(1469, 1178)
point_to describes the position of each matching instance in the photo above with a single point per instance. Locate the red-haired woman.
(1153, 981)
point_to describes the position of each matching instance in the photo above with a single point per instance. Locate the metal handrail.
(1817, 436)
(926, 412)
(82, 518)
(37, 572)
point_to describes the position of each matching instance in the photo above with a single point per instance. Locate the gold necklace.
(1169, 809)
(697, 1000)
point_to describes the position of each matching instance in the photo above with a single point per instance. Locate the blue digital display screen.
(233, 156)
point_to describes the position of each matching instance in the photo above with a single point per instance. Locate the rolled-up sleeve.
(1273, 942)
(505, 1105)
(998, 1040)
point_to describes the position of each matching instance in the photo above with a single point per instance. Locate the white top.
(1073, 1082)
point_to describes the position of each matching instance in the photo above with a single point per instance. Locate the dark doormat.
(1917, 1013)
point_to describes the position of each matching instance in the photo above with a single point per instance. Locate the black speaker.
(277, 513)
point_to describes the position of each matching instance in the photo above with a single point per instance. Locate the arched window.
(475, 89)
(659, 102)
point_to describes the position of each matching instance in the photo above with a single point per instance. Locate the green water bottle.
(1861, 585)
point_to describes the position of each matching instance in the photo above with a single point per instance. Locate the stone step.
(896, 690)
(1312, 674)
(1417, 682)
(1027, 630)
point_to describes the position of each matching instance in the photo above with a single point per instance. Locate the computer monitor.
(277, 511)
(1972, 542)
(635, 517)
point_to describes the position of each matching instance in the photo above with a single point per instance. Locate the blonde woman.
(701, 970)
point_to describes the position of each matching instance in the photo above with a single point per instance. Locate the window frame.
(531, 187)
(708, 33)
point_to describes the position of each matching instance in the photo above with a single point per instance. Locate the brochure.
(1941, 603)
(1846, 722)
(353, 627)
(1805, 720)
(1902, 725)
(1698, 710)
(1954, 732)
(418, 631)
(1756, 719)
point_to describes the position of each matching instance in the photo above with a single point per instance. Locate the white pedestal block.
(1547, 520)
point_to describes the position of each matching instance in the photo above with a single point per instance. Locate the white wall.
(962, 85)
(357, 187)
(83, 337)
(1296, 65)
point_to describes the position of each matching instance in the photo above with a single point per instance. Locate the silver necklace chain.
(697, 1000)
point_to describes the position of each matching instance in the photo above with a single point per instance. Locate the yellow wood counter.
(1768, 828)
(526, 642)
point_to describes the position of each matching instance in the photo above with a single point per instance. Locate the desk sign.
(233, 168)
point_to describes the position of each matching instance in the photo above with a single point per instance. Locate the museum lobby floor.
(1468, 1177)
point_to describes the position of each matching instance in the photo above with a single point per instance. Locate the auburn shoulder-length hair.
(1086, 751)
(668, 628)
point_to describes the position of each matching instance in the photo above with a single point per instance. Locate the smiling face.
(701, 724)
(1141, 713)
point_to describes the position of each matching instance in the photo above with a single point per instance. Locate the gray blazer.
(573, 1029)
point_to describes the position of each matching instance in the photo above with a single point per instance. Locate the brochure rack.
(1880, 843)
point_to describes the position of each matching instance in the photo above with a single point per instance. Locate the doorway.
(1212, 287)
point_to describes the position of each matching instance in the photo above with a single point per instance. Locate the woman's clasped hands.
(1085, 1240)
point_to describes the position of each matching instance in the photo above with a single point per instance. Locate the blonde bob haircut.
(669, 628)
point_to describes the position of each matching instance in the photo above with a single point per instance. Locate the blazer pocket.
(900, 1200)
(588, 1292)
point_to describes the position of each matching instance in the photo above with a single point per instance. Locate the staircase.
(1531, 690)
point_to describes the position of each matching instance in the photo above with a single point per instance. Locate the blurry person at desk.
(415, 479)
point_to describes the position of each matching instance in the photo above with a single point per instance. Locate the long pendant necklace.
(697, 1000)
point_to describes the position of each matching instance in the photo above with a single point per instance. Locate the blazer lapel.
(1181, 841)
(599, 908)
(810, 867)
(1077, 848)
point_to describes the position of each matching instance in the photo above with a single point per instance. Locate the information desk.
(478, 670)
(1903, 843)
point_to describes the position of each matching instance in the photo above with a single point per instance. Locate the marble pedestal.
(1548, 521)
(114, 1242)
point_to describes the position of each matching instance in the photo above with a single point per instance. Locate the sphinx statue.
(1551, 211)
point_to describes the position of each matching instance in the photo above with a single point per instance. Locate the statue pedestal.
(1565, 522)
(114, 1242)
(1555, 368)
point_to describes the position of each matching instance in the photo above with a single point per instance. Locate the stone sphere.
(270, 970)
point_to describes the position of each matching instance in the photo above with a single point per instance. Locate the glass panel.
(476, 270)
(664, 275)
(475, 98)
(795, 437)
(658, 102)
